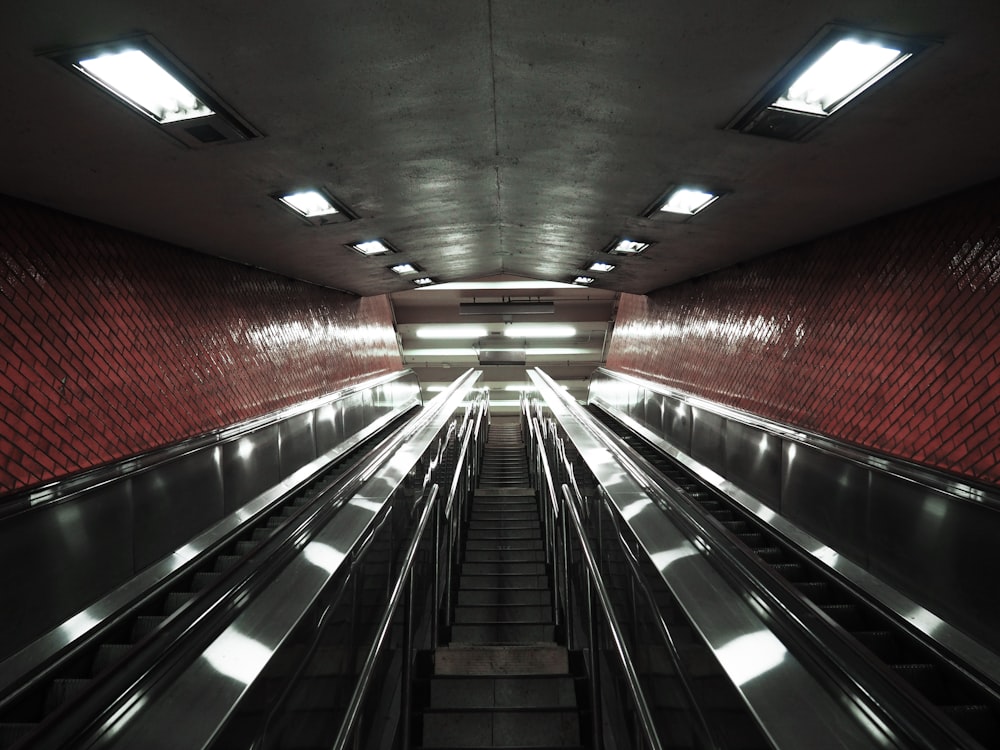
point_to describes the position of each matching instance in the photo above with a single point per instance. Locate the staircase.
(501, 680)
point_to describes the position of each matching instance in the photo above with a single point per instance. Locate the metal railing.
(415, 591)
(583, 602)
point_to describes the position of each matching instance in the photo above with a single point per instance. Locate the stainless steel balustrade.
(69, 543)
(195, 698)
(787, 701)
(873, 519)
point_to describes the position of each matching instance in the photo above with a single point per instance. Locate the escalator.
(502, 675)
(922, 668)
(115, 649)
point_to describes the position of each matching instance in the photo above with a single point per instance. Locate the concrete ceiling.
(494, 136)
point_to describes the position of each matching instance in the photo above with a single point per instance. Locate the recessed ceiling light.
(687, 200)
(539, 331)
(425, 281)
(624, 247)
(372, 247)
(456, 331)
(309, 203)
(140, 73)
(841, 73)
(583, 280)
(137, 79)
(404, 268)
(837, 65)
(601, 267)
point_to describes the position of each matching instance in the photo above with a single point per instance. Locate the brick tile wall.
(114, 344)
(886, 335)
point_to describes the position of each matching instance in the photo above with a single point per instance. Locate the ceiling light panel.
(539, 331)
(583, 280)
(309, 203)
(405, 268)
(456, 331)
(140, 81)
(688, 201)
(373, 247)
(601, 267)
(623, 247)
(837, 65)
(841, 73)
(140, 73)
(425, 281)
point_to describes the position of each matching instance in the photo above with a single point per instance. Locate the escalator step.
(177, 599)
(145, 625)
(926, 678)
(879, 642)
(817, 592)
(752, 539)
(846, 615)
(790, 571)
(225, 562)
(11, 732)
(62, 690)
(108, 654)
(772, 555)
(245, 548)
(202, 581)
(735, 526)
(261, 533)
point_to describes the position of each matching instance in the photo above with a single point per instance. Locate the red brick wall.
(114, 344)
(886, 335)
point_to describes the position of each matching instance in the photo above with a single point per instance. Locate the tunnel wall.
(886, 335)
(115, 344)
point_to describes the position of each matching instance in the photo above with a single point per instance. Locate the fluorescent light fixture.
(687, 200)
(137, 79)
(140, 73)
(601, 267)
(372, 247)
(541, 331)
(834, 68)
(404, 268)
(623, 247)
(544, 351)
(425, 281)
(583, 280)
(506, 286)
(845, 70)
(457, 331)
(309, 203)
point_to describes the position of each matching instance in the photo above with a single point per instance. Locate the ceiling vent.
(506, 308)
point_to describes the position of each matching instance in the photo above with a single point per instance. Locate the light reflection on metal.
(633, 509)
(666, 558)
(749, 656)
(323, 556)
(235, 655)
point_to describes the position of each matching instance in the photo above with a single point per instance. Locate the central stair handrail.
(469, 439)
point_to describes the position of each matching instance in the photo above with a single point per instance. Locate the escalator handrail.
(364, 681)
(614, 628)
(896, 709)
(181, 639)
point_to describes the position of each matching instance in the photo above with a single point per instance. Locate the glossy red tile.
(886, 335)
(115, 344)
